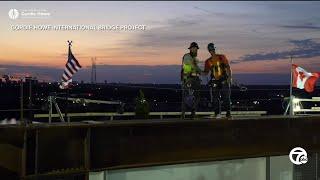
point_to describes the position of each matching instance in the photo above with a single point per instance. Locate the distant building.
(32, 79)
(17, 78)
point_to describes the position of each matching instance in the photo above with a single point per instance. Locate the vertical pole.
(291, 96)
(67, 105)
(316, 166)
(87, 152)
(92, 70)
(67, 90)
(105, 175)
(95, 70)
(30, 100)
(268, 168)
(24, 154)
(21, 102)
(36, 153)
(50, 108)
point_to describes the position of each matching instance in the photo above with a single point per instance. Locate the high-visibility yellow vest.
(189, 66)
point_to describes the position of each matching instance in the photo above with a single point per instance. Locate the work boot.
(228, 115)
(193, 114)
(183, 115)
(218, 116)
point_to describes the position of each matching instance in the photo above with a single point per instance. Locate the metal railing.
(161, 115)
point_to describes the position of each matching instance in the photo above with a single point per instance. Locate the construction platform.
(44, 151)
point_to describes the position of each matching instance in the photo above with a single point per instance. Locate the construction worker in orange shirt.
(220, 82)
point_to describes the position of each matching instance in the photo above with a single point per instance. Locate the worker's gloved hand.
(229, 80)
(212, 83)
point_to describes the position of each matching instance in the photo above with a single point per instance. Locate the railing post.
(21, 103)
(24, 155)
(87, 152)
(267, 168)
(36, 152)
(50, 108)
(316, 154)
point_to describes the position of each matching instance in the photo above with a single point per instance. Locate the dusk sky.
(256, 37)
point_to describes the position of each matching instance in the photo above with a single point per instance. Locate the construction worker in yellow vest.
(220, 83)
(190, 80)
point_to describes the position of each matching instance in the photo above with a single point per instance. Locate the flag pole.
(291, 96)
(67, 89)
(21, 103)
(67, 104)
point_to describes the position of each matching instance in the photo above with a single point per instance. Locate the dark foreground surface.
(73, 150)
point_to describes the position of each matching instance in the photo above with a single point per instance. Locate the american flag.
(72, 66)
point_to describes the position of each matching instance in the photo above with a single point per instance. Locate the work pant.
(190, 95)
(221, 97)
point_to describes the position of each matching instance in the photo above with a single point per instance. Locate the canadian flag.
(303, 79)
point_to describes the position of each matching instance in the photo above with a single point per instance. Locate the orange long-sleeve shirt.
(218, 65)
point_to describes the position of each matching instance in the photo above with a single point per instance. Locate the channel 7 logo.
(298, 156)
